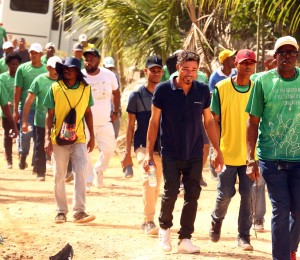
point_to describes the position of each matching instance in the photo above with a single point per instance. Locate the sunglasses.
(284, 53)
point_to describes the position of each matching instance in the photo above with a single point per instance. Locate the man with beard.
(104, 86)
(177, 109)
(274, 112)
(228, 105)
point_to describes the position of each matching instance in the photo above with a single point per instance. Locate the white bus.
(35, 20)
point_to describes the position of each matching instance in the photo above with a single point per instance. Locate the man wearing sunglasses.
(274, 119)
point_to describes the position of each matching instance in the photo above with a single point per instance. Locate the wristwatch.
(115, 113)
(250, 161)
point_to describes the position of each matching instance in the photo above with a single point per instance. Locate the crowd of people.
(245, 122)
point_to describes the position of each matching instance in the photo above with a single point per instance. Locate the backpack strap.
(139, 92)
(67, 97)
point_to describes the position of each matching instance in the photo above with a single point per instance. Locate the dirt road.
(27, 210)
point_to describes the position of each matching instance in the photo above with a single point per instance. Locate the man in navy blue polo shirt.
(177, 108)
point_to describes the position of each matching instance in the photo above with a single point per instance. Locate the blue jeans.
(283, 183)
(226, 190)
(191, 172)
(259, 199)
(25, 137)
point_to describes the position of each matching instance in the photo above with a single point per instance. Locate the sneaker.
(258, 226)
(203, 183)
(215, 231)
(185, 246)
(9, 165)
(82, 217)
(293, 255)
(98, 180)
(60, 218)
(40, 178)
(164, 239)
(149, 228)
(244, 243)
(69, 177)
(22, 163)
(48, 165)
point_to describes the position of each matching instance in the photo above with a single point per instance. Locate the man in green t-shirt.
(37, 92)
(7, 80)
(2, 36)
(8, 48)
(25, 75)
(273, 124)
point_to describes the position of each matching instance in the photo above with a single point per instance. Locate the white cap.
(53, 60)
(7, 45)
(108, 62)
(83, 38)
(50, 44)
(36, 47)
(286, 40)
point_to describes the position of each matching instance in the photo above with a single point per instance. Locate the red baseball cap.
(245, 54)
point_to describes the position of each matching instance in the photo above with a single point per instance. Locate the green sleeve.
(255, 103)
(19, 77)
(3, 95)
(91, 100)
(34, 87)
(215, 102)
(49, 99)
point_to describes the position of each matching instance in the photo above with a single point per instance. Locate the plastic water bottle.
(152, 175)
(128, 171)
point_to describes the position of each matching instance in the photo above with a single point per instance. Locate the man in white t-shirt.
(104, 88)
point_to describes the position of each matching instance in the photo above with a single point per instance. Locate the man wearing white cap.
(37, 92)
(50, 51)
(25, 75)
(8, 48)
(274, 112)
(83, 39)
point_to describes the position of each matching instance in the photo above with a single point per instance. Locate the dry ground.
(27, 210)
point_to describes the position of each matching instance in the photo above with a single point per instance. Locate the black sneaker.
(82, 217)
(22, 163)
(244, 243)
(215, 231)
(60, 218)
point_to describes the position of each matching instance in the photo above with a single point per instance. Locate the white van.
(35, 20)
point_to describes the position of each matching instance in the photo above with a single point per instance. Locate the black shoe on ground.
(244, 243)
(215, 231)
(22, 163)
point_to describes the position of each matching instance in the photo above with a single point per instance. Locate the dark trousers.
(7, 140)
(191, 172)
(39, 152)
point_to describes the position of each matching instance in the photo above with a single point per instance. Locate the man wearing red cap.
(228, 105)
(274, 112)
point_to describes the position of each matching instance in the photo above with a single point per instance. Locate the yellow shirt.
(233, 122)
